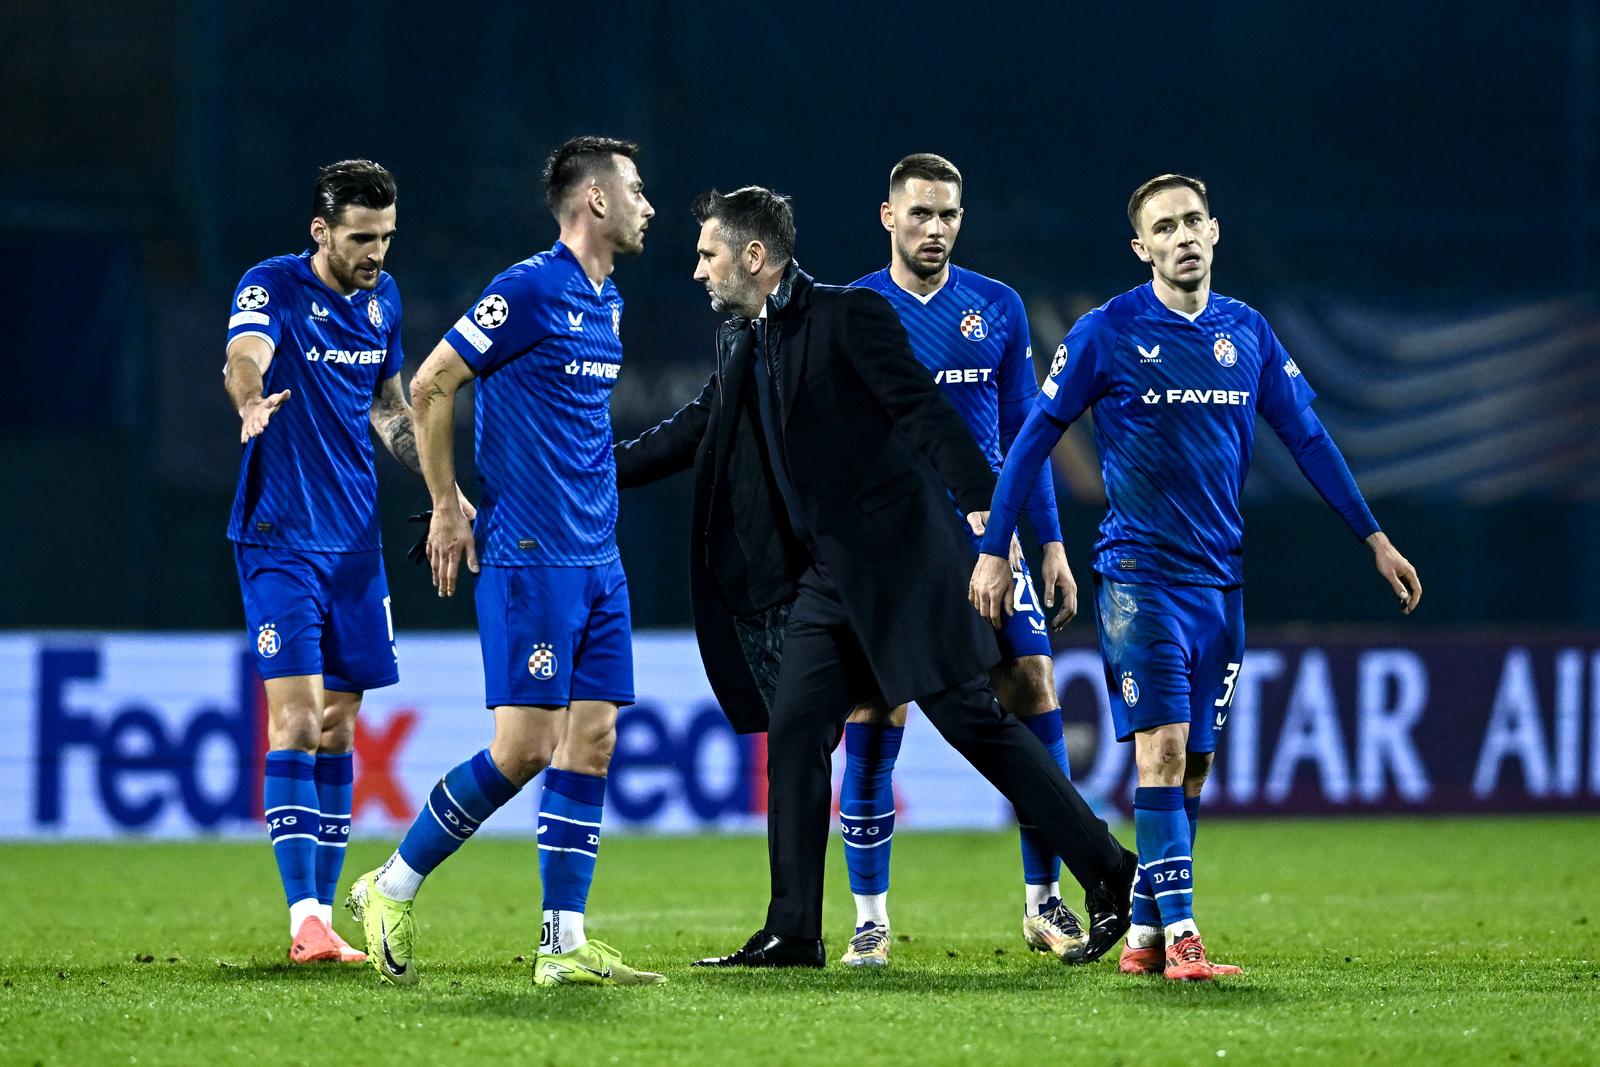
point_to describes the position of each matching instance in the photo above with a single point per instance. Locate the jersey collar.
(949, 278)
(1155, 304)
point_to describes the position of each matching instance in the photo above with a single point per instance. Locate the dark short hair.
(578, 160)
(924, 165)
(360, 182)
(1158, 183)
(751, 214)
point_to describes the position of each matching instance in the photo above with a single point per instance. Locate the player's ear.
(1138, 250)
(596, 200)
(1216, 232)
(319, 231)
(755, 257)
(886, 216)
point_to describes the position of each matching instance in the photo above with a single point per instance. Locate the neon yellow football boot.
(592, 963)
(389, 928)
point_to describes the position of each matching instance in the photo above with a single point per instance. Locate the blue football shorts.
(1172, 654)
(552, 635)
(1025, 632)
(321, 613)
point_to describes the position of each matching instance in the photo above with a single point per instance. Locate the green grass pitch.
(1389, 941)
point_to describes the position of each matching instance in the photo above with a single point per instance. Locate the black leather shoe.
(772, 950)
(1110, 906)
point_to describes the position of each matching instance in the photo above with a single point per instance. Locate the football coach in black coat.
(827, 566)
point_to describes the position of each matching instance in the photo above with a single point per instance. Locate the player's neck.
(912, 282)
(1187, 302)
(594, 255)
(319, 267)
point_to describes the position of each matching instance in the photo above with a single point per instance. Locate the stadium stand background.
(1412, 199)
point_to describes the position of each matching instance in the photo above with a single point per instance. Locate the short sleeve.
(395, 358)
(259, 307)
(1282, 390)
(509, 319)
(1078, 374)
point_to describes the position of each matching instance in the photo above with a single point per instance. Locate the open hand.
(449, 540)
(257, 412)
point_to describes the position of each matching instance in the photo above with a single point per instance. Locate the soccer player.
(320, 333)
(972, 333)
(1176, 375)
(544, 342)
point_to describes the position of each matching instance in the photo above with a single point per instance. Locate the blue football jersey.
(972, 333)
(308, 481)
(1175, 404)
(546, 344)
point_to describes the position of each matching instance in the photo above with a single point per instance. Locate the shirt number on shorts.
(388, 617)
(1023, 596)
(1228, 681)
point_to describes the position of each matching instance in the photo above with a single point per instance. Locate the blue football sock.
(1040, 864)
(289, 799)
(1191, 807)
(469, 793)
(866, 804)
(335, 777)
(1162, 831)
(569, 837)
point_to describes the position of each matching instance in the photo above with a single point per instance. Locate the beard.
(736, 294)
(921, 267)
(344, 273)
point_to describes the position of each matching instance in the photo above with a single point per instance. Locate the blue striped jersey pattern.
(1175, 404)
(546, 344)
(308, 480)
(973, 335)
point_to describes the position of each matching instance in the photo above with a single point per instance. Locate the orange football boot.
(1186, 961)
(314, 943)
(1148, 960)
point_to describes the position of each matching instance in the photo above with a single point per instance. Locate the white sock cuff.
(872, 908)
(397, 880)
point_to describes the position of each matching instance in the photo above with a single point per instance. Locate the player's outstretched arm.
(433, 394)
(248, 357)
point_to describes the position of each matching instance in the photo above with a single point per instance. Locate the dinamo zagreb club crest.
(542, 663)
(1130, 689)
(267, 641)
(374, 312)
(973, 328)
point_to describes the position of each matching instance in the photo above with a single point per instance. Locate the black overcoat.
(872, 445)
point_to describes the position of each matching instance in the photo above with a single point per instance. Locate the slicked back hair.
(579, 160)
(1158, 183)
(751, 214)
(924, 165)
(358, 182)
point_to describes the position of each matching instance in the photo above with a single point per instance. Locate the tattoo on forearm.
(401, 439)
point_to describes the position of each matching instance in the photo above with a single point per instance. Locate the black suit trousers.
(824, 673)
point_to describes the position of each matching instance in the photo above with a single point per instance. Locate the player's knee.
(296, 726)
(1160, 754)
(339, 723)
(587, 749)
(521, 759)
(1028, 686)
